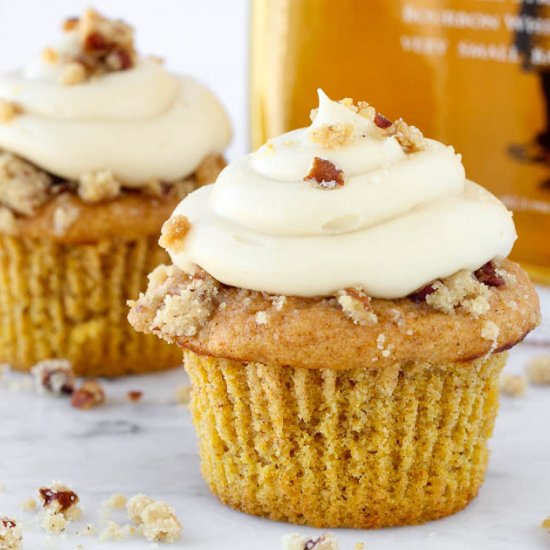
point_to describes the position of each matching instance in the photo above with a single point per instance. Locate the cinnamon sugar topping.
(324, 175)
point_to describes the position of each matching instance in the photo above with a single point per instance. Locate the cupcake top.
(353, 243)
(352, 201)
(96, 115)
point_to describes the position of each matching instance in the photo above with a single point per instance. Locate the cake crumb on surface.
(28, 505)
(514, 385)
(11, 535)
(356, 305)
(538, 370)
(359, 546)
(54, 376)
(113, 531)
(115, 501)
(297, 542)
(155, 519)
(173, 232)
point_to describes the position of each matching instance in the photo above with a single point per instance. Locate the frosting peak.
(400, 215)
(93, 104)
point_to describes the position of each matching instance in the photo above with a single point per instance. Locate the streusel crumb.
(23, 187)
(175, 303)
(538, 370)
(98, 186)
(54, 376)
(156, 519)
(297, 542)
(514, 385)
(54, 523)
(11, 535)
(546, 524)
(173, 233)
(332, 136)
(461, 290)
(8, 111)
(356, 305)
(114, 531)
(58, 498)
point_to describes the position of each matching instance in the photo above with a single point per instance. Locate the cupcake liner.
(359, 448)
(69, 301)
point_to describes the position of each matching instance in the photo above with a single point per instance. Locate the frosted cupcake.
(344, 305)
(97, 146)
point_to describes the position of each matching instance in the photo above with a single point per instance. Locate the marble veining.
(150, 447)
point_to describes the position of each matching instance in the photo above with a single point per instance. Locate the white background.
(204, 38)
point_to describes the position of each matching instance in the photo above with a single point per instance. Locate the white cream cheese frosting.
(401, 219)
(140, 123)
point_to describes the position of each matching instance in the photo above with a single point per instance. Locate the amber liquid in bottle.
(459, 76)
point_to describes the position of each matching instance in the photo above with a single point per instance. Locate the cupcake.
(97, 146)
(344, 303)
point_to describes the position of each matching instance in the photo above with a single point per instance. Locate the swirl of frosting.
(400, 220)
(140, 123)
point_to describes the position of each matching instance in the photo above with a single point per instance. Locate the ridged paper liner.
(69, 301)
(360, 448)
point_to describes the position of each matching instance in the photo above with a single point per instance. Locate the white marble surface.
(150, 447)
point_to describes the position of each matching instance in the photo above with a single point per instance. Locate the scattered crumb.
(98, 186)
(297, 542)
(49, 55)
(58, 498)
(114, 531)
(331, 136)
(356, 305)
(546, 524)
(538, 370)
(261, 318)
(513, 385)
(409, 332)
(89, 395)
(183, 395)
(134, 395)
(54, 523)
(359, 546)
(88, 530)
(8, 111)
(54, 376)
(28, 505)
(397, 317)
(11, 535)
(156, 519)
(116, 500)
(176, 304)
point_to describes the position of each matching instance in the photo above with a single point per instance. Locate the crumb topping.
(173, 233)
(490, 331)
(103, 46)
(324, 175)
(54, 376)
(538, 370)
(156, 519)
(98, 186)
(175, 303)
(8, 111)
(11, 536)
(59, 507)
(356, 305)
(63, 217)
(514, 385)
(332, 136)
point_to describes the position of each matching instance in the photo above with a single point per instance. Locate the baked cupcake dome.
(367, 403)
(85, 184)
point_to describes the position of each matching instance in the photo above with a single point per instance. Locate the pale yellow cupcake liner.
(358, 448)
(69, 301)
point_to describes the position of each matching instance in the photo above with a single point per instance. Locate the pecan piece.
(381, 121)
(420, 295)
(324, 174)
(89, 395)
(488, 275)
(59, 499)
(134, 395)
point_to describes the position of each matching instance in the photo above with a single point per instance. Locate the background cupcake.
(97, 146)
(344, 305)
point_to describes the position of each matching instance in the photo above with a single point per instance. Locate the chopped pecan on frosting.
(324, 175)
(175, 303)
(105, 46)
(356, 305)
(173, 232)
